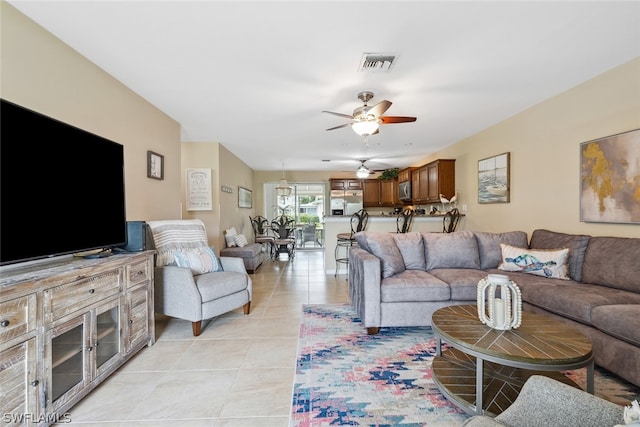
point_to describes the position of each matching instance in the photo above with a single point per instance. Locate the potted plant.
(389, 174)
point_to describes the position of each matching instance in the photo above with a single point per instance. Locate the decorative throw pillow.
(230, 237)
(241, 241)
(546, 263)
(199, 261)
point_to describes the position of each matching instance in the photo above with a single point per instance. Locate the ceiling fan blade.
(396, 119)
(347, 116)
(338, 127)
(379, 109)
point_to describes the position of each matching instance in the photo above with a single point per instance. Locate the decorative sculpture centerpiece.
(499, 302)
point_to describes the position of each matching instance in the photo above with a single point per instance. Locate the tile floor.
(238, 372)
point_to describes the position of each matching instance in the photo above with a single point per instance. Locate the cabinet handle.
(131, 321)
(91, 291)
(35, 383)
(4, 323)
(89, 348)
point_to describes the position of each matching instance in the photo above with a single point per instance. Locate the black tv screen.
(61, 188)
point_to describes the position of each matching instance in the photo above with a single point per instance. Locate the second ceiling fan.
(366, 120)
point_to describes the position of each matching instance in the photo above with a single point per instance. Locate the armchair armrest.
(364, 289)
(176, 293)
(233, 264)
(546, 402)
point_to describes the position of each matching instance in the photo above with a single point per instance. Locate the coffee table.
(483, 369)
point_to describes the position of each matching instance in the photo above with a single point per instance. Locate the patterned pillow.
(241, 241)
(199, 261)
(541, 262)
(230, 237)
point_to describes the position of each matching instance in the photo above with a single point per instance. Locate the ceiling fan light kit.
(363, 171)
(366, 120)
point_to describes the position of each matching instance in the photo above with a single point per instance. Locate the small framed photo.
(155, 165)
(245, 198)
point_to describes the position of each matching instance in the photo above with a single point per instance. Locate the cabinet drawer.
(139, 272)
(74, 296)
(17, 317)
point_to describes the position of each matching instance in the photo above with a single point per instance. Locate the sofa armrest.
(364, 286)
(545, 402)
(176, 293)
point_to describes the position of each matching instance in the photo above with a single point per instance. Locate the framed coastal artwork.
(610, 179)
(245, 198)
(493, 179)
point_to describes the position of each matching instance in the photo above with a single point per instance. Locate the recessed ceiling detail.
(377, 62)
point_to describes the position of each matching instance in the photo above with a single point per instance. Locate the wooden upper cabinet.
(377, 193)
(405, 174)
(345, 184)
(433, 179)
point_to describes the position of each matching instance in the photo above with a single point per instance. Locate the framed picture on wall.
(199, 190)
(245, 198)
(610, 179)
(493, 179)
(155, 165)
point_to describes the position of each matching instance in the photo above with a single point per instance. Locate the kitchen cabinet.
(431, 180)
(377, 193)
(345, 184)
(405, 174)
(65, 326)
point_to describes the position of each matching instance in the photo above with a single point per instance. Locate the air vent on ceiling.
(377, 62)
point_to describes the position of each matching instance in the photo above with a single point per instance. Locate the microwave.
(404, 191)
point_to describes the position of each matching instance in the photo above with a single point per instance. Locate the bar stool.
(346, 240)
(404, 221)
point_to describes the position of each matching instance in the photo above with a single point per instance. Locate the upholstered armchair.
(191, 282)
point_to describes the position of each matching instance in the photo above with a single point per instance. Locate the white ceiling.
(255, 76)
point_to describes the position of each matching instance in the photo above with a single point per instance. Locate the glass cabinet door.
(67, 346)
(107, 339)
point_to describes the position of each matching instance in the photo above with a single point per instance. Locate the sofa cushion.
(621, 321)
(411, 248)
(451, 250)
(412, 286)
(546, 262)
(568, 298)
(248, 251)
(463, 282)
(384, 247)
(230, 237)
(489, 246)
(220, 284)
(240, 240)
(613, 262)
(576, 243)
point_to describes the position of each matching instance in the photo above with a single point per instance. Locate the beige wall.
(544, 144)
(227, 170)
(40, 72)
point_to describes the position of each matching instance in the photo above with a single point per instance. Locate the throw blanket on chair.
(172, 236)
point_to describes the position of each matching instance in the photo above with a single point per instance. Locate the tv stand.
(53, 316)
(104, 253)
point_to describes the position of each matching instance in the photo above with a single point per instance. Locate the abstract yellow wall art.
(610, 179)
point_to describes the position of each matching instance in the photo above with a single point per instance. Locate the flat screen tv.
(62, 189)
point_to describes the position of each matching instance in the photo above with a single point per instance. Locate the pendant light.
(283, 188)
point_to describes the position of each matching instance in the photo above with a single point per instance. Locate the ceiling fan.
(366, 120)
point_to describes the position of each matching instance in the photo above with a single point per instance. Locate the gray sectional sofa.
(401, 279)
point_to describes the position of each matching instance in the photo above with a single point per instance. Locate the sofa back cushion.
(576, 243)
(613, 262)
(384, 247)
(411, 247)
(489, 246)
(451, 250)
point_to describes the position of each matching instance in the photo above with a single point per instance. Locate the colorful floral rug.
(346, 377)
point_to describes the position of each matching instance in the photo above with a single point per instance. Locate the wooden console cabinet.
(65, 326)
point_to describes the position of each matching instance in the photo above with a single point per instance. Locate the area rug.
(346, 377)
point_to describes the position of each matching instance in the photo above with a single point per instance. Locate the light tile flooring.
(238, 372)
